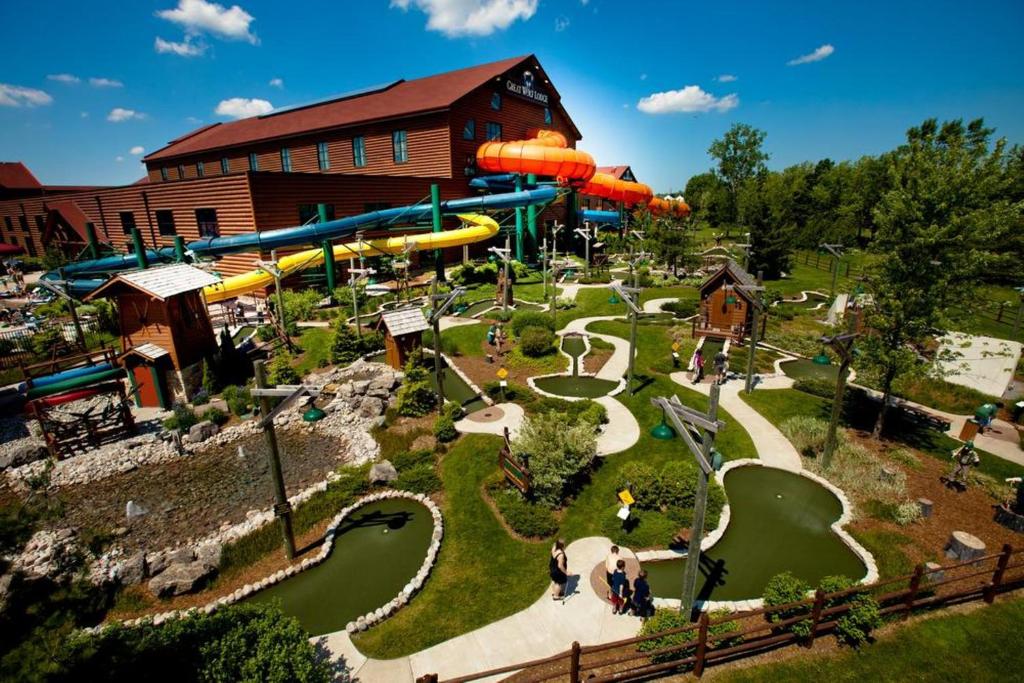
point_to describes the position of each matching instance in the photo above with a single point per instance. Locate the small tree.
(416, 396)
(558, 451)
(210, 384)
(346, 347)
(281, 370)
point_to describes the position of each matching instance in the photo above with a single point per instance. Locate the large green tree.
(946, 205)
(740, 157)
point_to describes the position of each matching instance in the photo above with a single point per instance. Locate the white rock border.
(712, 538)
(360, 624)
(586, 342)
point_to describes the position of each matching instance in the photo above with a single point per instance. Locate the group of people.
(11, 274)
(626, 597)
(721, 366)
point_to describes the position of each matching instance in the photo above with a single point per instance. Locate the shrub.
(564, 303)
(44, 342)
(300, 305)
(782, 589)
(682, 308)
(536, 342)
(586, 410)
(409, 459)
(453, 410)
(524, 319)
(907, 513)
(854, 627)
(558, 453)
(642, 481)
(501, 316)
(201, 398)
(281, 370)
(807, 434)
(444, 429)
(214, 415)
(526, 518)
(239, 399)
(816, 386)
(210, 386)
(183, 419)
(419, 479)
(416, 396)
(668, 619)
(265, 333)
(346, 347)
(513, 392)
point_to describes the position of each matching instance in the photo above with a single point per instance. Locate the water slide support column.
(140, 249)
(435, 204)
(179, 248)
(531, 220)
(94, 244)
(519, 221)
(328, 255)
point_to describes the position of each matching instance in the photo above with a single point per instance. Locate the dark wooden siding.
(187, 337)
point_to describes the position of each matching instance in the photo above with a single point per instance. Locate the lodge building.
(373, 149)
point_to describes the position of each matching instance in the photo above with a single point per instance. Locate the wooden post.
(912, 589)
(819, 605)
(437, 347)
(756, 305)
(997, 576)
(282, 508)
(505, 292)
(702, 644)
(574, 663)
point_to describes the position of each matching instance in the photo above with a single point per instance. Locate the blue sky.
(642, 80)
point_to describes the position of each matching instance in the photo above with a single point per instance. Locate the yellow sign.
(502, 373)
(626, 497)
(675, 346)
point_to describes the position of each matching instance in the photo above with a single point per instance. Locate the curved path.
(543, 629)
(654, 305)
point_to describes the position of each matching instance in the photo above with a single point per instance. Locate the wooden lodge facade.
(374, 149)
(726, 310)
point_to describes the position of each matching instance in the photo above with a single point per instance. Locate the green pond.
(377, 550)
(575, 346)
(780, 521)
(804, 368)
(578, 386)
(477, 307)
(527, 306)
(455, 388)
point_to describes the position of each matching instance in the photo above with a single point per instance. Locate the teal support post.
(94, 243)
(179, 248)
(140, 248)
(328, 255)
(531, 223)
(519, 221)
(435, 204)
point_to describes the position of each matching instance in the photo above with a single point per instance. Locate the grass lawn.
(463, 340)
(482, 573)
(315, 343)
(982, 645)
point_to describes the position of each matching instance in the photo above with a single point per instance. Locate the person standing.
(558, 568)
(698, 366)
(620, 588)
(985, 414)
(642, 603)
(611, 561)
(721, 366)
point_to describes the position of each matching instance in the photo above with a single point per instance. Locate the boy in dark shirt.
(642, 604)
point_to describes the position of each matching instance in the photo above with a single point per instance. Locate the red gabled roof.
(616, 171)
(14, 175)
(401, 98)
(70, 214)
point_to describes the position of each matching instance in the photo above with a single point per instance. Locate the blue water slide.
(600, 217)
(70, 374)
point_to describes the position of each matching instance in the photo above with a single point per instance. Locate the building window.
(493, 130)
(163, 174)
(547, 116)
(254, 162)
(359, 151)
(286, 160)
(309, 213)
(181, 171)
(127, 222)
(469, 130)
(225, 166)
(206, 221)
(30, 244)
(323, 156)
(496, 102)
(399, 149)
(200, 169)
(165, 222)
(9, 224)
(40, 224)
(23, 222)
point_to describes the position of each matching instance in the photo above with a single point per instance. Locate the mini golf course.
(805, 368)
(575, 385)
(377, 550)
(780, 521)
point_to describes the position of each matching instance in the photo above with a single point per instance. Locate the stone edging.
(586, 341)
(723, 522)
(465, 378)
(360, 624)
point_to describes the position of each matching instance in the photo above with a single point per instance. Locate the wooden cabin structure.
(166, 331)
(726, 310)
(403, 334)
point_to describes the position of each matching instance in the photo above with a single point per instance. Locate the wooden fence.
(826, 262)
(716, 640)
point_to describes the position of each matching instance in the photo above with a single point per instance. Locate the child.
(698, 366)
(620, 588)
(642, 602)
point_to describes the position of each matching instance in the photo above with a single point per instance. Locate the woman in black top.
(558, 568)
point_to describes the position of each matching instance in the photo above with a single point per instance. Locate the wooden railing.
(755, 631)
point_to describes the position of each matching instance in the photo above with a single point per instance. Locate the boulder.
(181, 555)
(23, 454)
(370, 407)
(157, 562)
(202, 431)
(132, 570)
(210, 554)
(179, 579)
(383, 472)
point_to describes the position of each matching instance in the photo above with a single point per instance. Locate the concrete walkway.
(616, 365)
(654, 305)
(983, 363)
(622, 430)
(493, 420)
(545, 628)
(773, 448)
(449, 321)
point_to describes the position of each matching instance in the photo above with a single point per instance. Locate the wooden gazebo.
(726, 309)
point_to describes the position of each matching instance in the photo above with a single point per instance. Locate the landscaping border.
(586, 341)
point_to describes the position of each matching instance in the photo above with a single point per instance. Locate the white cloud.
(200, 16)
(137, 150)
(193, 119)
(105, 83)
(816, 56)
(119, 158)
(561, 23)
(470, 17)
(726, 78)
(689, 99)
(643, 77)
(20, 96)
(243, 107)
(276, 83)
(185, 48)
(64, 78)
(119, 114)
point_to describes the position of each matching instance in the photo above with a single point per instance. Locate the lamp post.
(754, 295)
(837, 254)
(355, 276)
(843, 346)
(440, 303)
(504, 254)
(584, 232)
(686, 420)
(631, 295)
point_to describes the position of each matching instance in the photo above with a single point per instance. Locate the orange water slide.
(545, 153)
(665, 207)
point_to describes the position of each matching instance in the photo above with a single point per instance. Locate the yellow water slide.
(477, 228)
